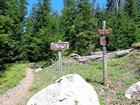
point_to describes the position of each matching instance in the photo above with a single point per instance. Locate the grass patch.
(90, 73)
(121, 73)
(102, 101)
(11, 76)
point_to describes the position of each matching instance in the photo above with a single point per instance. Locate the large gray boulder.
(135, 88)
(68, 90)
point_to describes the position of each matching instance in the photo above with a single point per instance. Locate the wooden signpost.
(105, 31)
(59, 46)
(103, 41)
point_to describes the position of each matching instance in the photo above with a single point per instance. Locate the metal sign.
(58, 46)
(105, 31)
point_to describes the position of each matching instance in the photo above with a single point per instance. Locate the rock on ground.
(38, 70)
(135, 88)
(74, 55)
(71, 89)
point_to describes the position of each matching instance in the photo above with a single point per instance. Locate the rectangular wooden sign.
(105, 31)
(58, 46)
(103, 41)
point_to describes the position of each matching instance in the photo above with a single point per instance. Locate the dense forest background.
(25, 38)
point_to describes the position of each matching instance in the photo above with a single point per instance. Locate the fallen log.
(99, 55)
(123, 52)
(86, 59)
(96, 53)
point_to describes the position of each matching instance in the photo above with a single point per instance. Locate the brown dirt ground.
(18, 95)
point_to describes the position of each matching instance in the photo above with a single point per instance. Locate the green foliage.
(79, 25)
(124, 31)
(98, 64)
(102, 101)
(110, 6)
(11, 29)
(5, 25)
(122, 20)
(131, 7)
(42, 29)
(29, 38)
(17, 7)
(135, 102)
(11, 76)
(114, 62)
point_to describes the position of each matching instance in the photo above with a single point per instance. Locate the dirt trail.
(18, 94)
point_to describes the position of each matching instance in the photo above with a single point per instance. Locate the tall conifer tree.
(17, 13)
(5, 32)
(110, 5)
(132, 8)
(79, 25)
(42, 29)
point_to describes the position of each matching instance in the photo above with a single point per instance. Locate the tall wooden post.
(104, 42)
(105, 73)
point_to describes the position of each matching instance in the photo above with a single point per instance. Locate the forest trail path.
(18, 94)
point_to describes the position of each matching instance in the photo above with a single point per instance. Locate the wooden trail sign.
(103, 41)
(105, 31)
(59, 46)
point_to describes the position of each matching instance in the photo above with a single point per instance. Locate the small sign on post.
(59, 46)
(104, 42)
(105, 31)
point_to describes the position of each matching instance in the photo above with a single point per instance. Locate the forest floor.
(20, 93)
